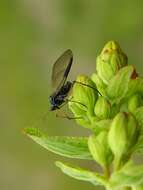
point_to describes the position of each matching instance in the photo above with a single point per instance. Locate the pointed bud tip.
(110, 61)
(111, 46)
(134, 74)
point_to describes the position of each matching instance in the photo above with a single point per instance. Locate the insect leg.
(69, 100)
(65, 102)
(67, 117)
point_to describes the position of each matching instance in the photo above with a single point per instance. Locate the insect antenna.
(76, 102)
(87, 86)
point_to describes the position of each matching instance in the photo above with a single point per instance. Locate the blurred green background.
(33, 34)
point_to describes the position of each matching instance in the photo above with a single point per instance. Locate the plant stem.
(116, 163)
(107, 172)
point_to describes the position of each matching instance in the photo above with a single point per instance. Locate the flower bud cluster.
(110, 105)
(107, 105)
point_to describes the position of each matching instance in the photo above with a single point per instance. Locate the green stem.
(116, 163)
(107, 172)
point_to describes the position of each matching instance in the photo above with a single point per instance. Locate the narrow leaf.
(81, 174)
(72, 147)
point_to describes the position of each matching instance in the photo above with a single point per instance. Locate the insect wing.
(61, 69)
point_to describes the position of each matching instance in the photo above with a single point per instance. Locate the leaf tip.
(30, 131)
(58, 164)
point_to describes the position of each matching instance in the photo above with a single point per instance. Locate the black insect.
(61, 86)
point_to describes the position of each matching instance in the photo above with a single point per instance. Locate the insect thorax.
(58, 98)
(65, 88)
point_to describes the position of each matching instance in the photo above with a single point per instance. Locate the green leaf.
(138, 113)
(129, 175)
(135, 86)
(72, 147)
(118, 85)
(81, 174)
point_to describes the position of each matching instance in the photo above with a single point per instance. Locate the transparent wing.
(61, 69)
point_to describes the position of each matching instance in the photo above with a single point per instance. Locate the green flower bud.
(102, 108)
(84, 95)
(134, 102)
(81, 114)
(99, 149)
(110, 61)
(122, 134)
(132, 131)
(117, 137)
(99, 83)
